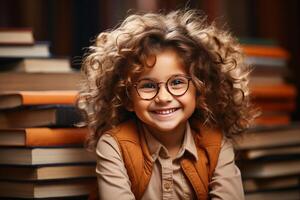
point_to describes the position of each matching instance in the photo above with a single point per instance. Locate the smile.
(165, 112)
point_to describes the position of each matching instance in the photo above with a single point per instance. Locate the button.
(167, 185)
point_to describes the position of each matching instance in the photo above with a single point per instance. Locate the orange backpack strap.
(136, 156)
(208, 143)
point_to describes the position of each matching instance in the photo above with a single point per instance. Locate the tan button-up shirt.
(168, 180)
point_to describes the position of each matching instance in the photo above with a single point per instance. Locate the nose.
(163, 95)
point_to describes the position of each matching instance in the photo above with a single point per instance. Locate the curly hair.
(213, 57)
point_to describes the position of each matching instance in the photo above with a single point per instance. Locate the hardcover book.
(40, 116)
(16, 36)
(45, 156)
(43, 137)
(48, 172)
(23, 98)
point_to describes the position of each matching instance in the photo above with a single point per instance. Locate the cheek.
(190, 100)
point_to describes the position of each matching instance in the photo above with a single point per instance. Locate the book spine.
(67, 117)
(46, 137)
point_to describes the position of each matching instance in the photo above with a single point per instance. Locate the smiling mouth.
(165, 112)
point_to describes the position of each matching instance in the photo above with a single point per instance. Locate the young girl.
(164, 94)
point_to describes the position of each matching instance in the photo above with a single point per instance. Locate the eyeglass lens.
(176, 85)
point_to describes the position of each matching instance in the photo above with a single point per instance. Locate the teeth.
(165, 112)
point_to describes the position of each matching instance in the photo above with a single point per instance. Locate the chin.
(165, 127)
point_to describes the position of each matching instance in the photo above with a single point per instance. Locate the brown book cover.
(52, 115)
(45, 156)
(51, 172)
(275, 106)
(16, 36)
(270, 137)
(285, 91)
(23, 98)
(18, 81)
(254, 185)
(46, 189)
(36, 65)
(43, 137)
(251, 154)
(270, 169)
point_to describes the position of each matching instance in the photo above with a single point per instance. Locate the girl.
(164, 94)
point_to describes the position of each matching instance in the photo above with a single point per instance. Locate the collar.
(156, 148)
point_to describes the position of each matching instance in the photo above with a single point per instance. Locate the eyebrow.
(155, 79)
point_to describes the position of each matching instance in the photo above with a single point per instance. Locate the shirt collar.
(155, 147)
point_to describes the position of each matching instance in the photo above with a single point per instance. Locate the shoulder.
(126, 131)
(107, 146)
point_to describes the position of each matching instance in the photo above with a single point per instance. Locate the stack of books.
(42, 153)
(26, 64)
(270, 91)
(269, 153)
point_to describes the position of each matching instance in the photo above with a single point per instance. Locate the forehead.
(167, 62)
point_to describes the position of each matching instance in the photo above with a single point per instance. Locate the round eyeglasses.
(176, 85)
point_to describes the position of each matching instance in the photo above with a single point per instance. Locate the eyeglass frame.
(166, 86)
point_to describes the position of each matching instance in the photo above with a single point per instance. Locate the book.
(265, 80)
(273, 119)
(270, 168)
(51, 172)
(48, 189)
(16, 36)
(265, 51)
(287, 194)
(38, 116)
(31, 65)
(260, 61)
(254, 185)
(40, 49)
(23, 98)
(44, 156)
(275, 105)
(39, 81)
(270, 136)
(251, 154)
(43, 137)
(280, 91)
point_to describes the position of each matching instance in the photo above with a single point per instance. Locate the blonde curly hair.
(213, 57)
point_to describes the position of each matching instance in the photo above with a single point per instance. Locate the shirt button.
(167, 185)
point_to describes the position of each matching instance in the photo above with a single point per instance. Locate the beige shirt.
(167, 180)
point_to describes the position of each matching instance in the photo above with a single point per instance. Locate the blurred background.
(70, 25)
(269, 32)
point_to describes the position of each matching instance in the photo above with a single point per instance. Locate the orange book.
(286, 106)
(43, 137)
(265, 51)
(272, 120)
(286, 91)
(15, 99)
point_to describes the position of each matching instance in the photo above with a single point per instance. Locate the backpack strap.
(136, 156)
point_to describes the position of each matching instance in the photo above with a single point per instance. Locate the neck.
(172, 140)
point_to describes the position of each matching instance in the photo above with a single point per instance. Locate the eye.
(178, 82)
(146, 86)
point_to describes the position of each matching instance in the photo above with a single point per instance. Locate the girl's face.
(165, 113)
